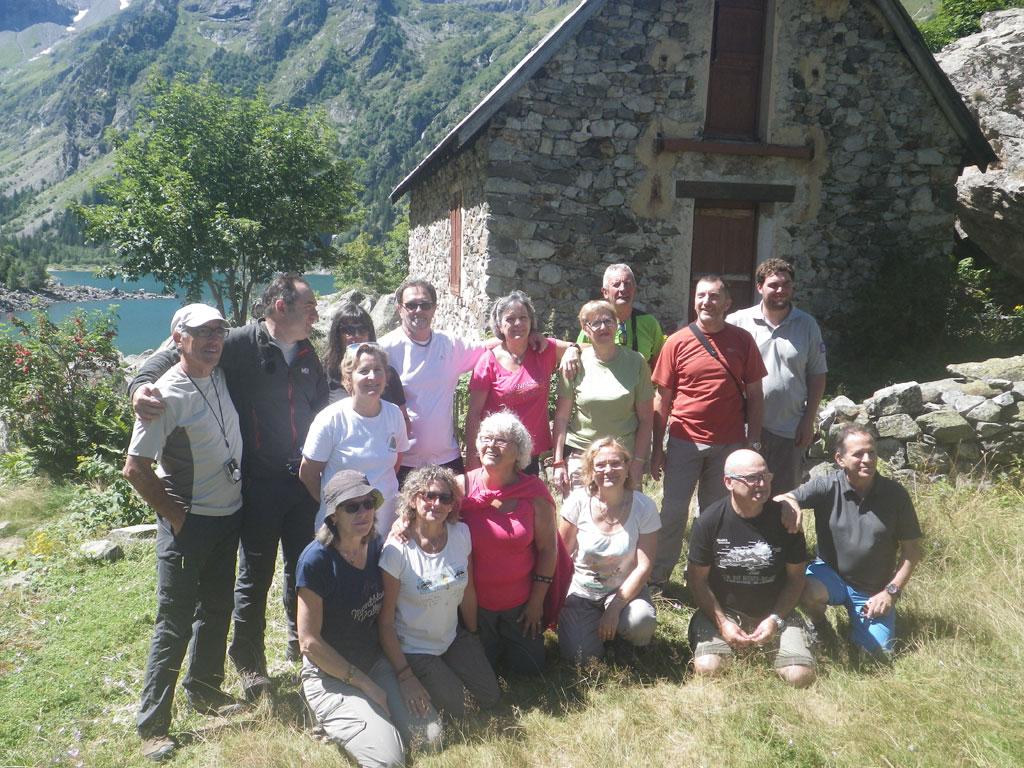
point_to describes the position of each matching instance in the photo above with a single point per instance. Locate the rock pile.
(973, 422)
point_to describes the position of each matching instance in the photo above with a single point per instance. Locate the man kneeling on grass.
(746, 573)
(196, 495)
(869, 541)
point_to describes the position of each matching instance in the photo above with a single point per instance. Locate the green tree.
(223, 191)
(379, 268)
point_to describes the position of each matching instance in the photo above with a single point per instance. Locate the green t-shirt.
(649, 336)
(605, 396)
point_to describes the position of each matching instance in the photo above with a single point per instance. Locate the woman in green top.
(611, 396)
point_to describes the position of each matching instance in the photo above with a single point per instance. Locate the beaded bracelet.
(543, 579)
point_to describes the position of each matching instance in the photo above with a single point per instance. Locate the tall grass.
(72, 651)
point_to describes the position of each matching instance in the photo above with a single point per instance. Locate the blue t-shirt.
(352, 599)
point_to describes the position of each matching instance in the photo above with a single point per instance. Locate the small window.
(737, 59)
(455, 261)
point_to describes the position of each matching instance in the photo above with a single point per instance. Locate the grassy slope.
(72, 651)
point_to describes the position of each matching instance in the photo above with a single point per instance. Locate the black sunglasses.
(444, 498)
(413, 305)
(354, 506)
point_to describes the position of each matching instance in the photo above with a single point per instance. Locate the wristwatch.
(780, 623)
(893, 590)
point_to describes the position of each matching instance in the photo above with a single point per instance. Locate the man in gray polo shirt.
(794, 354)
(869, 542)
(196, 495)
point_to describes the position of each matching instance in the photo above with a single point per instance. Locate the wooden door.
(725, 243)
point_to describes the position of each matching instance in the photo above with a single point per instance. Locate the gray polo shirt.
(188, 443)
(859, 538)
(792, 351)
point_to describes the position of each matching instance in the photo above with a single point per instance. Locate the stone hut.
(695, 136)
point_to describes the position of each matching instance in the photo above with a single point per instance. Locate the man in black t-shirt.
(869, 541)
(746, 573)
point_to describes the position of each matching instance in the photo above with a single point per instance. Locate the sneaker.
(293, 652)
(216, 704)
(158, 748)
(254, 684)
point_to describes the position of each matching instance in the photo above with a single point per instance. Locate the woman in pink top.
(511, 519)
(515, 377)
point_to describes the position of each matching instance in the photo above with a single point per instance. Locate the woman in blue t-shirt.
(347, 683)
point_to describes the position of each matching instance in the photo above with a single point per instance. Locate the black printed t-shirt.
(748, 557)
(352, 599)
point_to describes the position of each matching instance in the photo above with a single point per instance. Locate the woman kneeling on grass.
(611, 532)
(347, 682)
(428, 579)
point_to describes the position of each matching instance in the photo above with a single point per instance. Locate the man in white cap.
(195, 491)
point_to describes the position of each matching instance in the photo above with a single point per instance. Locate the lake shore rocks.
(22, 299)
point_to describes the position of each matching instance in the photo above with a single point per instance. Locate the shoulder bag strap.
(699, 334)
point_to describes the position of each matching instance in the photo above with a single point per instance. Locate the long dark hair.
(348, 313)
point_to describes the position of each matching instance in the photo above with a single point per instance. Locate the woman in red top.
(515, 377)
(511, 519)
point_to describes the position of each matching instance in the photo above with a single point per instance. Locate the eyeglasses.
(352, 507)
(444, 498)
(497, 442)
(760, 478)
(202, 332)
(604, 322)
(411, 306)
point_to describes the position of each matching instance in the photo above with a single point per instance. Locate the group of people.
(415, 572)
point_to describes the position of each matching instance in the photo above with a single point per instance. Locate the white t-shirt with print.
(430, 591)
(429, 374)
(367, 444)
(603, 561)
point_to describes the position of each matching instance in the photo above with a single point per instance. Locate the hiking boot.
(215, 703)
(658, 595)
(293, 652)
(158, 748)
(254, 684)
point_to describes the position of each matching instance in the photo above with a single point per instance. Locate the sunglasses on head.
(443, 497)
(352, 507)
(358, 347)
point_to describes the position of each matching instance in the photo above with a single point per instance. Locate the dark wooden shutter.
(737, 57)
(725, 243)
(455, 261)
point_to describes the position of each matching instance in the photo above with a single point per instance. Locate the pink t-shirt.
(503, 551)
(524, 392)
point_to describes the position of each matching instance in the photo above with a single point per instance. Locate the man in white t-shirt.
(196, 494)
(429, 364)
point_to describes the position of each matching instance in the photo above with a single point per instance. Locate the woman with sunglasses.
(610, 529)
(347, 682)
(511, 517)
(350, 325)
(612, 396)
(428, 581)
(362, 432)
(516, 377)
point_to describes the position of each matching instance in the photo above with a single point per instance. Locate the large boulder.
(899, 398)
(986, 70)
(1011, 368)
(946, 426)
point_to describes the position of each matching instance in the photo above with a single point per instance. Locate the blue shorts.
(873, 635)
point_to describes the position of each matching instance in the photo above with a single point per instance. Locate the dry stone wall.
(973, 422)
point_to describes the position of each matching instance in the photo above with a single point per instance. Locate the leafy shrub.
(983, 308)
(61, 390)
(106, 500)
(959, 18)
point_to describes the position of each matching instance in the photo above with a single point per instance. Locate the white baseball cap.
(195, 315)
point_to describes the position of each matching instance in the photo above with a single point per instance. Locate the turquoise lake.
(142, 323)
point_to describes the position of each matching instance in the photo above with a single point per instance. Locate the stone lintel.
(730, 190)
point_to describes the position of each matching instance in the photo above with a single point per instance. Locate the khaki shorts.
(790, 649)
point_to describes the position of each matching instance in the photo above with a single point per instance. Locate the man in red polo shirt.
(708, 380)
